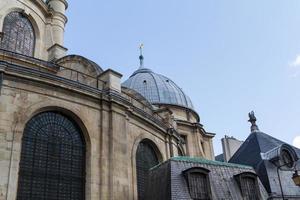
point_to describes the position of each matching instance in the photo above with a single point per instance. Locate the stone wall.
(44, 21)
(20, 101)
(112, 126)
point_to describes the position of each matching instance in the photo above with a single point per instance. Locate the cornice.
(109, 96)
(41, 5)
(59, 15)
(195, 126)
(63, 1)
(181, 108)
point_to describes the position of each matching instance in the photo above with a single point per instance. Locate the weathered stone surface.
(49, 28)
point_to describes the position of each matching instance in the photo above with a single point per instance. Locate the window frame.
(187, 175)
(53, 152)
(5, 40)
(142, 186)
(240, 180)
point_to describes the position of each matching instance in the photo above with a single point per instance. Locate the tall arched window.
(146, 158)
(52, 162)
(18, 34)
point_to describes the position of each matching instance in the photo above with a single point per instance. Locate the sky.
(229, 56)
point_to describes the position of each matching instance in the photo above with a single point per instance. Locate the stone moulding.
(50, 78)
(12, 57)
(2, 68)
(113, 96)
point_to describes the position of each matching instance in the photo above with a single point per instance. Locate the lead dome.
(157, 89)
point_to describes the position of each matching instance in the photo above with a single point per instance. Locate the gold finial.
(141, 47)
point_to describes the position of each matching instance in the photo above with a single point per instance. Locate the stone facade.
(48, 22)
(113, 119)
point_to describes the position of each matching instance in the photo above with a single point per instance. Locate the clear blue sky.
(229, 56)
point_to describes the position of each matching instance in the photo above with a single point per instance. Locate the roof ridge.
(210, 162)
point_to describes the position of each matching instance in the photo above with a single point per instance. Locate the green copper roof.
(208, 162)
(202, 161)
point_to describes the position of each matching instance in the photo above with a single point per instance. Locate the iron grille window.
(52, 165)
(18, 34)
(249, 188)
(146, 158)
(248, 185)
(198, 183)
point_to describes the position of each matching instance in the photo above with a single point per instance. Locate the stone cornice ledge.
(113, 96)
(47, 78)
(41, 5)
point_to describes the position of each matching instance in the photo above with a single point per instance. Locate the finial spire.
(252, 120)
(141, 57)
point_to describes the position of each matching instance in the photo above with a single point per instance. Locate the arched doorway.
(52, 164)
(146, 158)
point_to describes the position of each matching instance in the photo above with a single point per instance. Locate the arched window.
(52, 162)
(249, 188)
(18, 34)
(198, 183)
(248, 185)
(146, 158)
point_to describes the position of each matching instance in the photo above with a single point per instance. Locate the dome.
(157, 89)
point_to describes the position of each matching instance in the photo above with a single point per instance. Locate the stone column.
(59, 20)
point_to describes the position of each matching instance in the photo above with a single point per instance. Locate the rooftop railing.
(51, 67)
(67, 73)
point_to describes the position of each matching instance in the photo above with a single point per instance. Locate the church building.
(70, 129)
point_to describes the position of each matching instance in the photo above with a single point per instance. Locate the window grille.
(18, 34)
(249, 188)
(146, 158)
(52, 165)
(198, 183)
(248, 185)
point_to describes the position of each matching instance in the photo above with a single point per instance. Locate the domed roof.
(157, 89)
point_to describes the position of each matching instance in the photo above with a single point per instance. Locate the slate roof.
(166, 181)
(257, 142)
(220, 158)
(250, 154)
